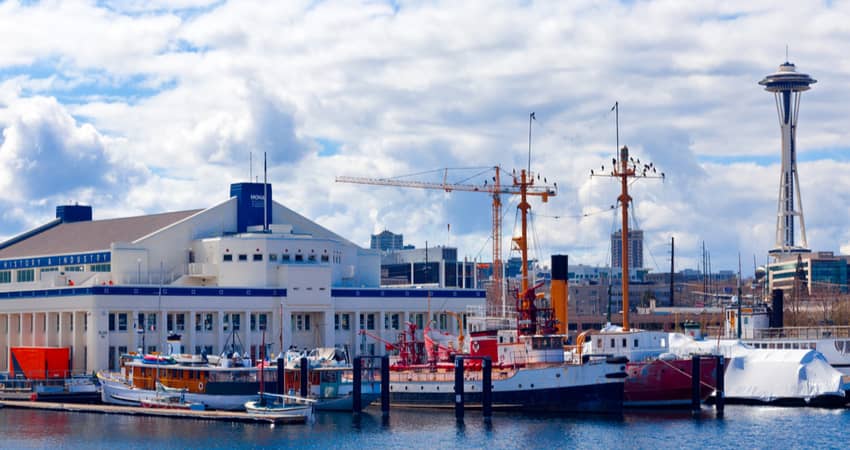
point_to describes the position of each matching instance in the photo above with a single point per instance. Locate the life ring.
(201, 387)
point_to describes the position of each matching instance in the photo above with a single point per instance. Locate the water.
(744, 427)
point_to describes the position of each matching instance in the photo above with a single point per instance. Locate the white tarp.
(765, 374)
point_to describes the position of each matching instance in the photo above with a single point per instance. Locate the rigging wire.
(573, 216)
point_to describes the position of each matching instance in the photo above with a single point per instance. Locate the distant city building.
(818, 272)
(433, 266)
(635, 249)
(387, 241)
(513, 267)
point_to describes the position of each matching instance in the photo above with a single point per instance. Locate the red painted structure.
(660, 383)
(39, 363)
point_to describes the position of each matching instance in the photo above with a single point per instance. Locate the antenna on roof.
(265, 196)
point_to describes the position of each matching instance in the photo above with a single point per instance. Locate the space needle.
(787, 86)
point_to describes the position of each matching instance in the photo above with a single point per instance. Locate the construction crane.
(495, 190)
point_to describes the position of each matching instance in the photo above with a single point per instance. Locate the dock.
(224, 416)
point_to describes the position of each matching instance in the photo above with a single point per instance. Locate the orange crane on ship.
(523, 184)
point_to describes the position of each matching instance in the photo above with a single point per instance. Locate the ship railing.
(449, 376)
(811, 333)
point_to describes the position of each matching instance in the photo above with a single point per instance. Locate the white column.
(4, 342)
(79, 342)
(382, 316)
(287, 329)
(189, 333)
(329, 332)
(245, 331)
(356, 347)
(219, 331)
(97, 340)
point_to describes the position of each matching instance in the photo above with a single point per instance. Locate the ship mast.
(626, 168)
(624, 172)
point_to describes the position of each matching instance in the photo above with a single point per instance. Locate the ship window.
(284, 257)
(324, 258)
(272, 257)
(312, 258)
(243, 257)
(227, 257)
(258, 256)
(613, 343)
(663, 343)
(636, 343)
(624, 343)
(299, 257)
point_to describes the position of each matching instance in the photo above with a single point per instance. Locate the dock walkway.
(227, 416)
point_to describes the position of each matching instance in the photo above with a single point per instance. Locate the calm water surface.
(743, 428)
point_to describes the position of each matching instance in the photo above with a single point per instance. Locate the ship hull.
(563, 389)
(667, 384)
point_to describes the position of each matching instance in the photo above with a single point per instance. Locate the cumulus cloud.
(181, 92)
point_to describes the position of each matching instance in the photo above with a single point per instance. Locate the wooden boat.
(170, 398)
(281, 408)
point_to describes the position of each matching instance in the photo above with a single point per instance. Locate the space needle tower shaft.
(787, 85)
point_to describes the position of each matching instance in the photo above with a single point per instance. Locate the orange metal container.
(38, 363)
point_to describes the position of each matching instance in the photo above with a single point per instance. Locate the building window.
(227, 257)
(236, 321)
(100, 267)
(243, 257)
(342, 321)
(370, 321)
(226, 321)
(25, 275)
(140, 322)
(253, 322)
(74, 268)
(264, 319)
(111, 322)
(272, 257)
(198, 323)
(122, 350)
(152, 322)
(306, 322)
(6, 276)
(181, 321)
(122, 321)
(394, 321)
(258, 256)
(208, 322)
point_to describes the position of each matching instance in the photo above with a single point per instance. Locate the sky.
(138, 107)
